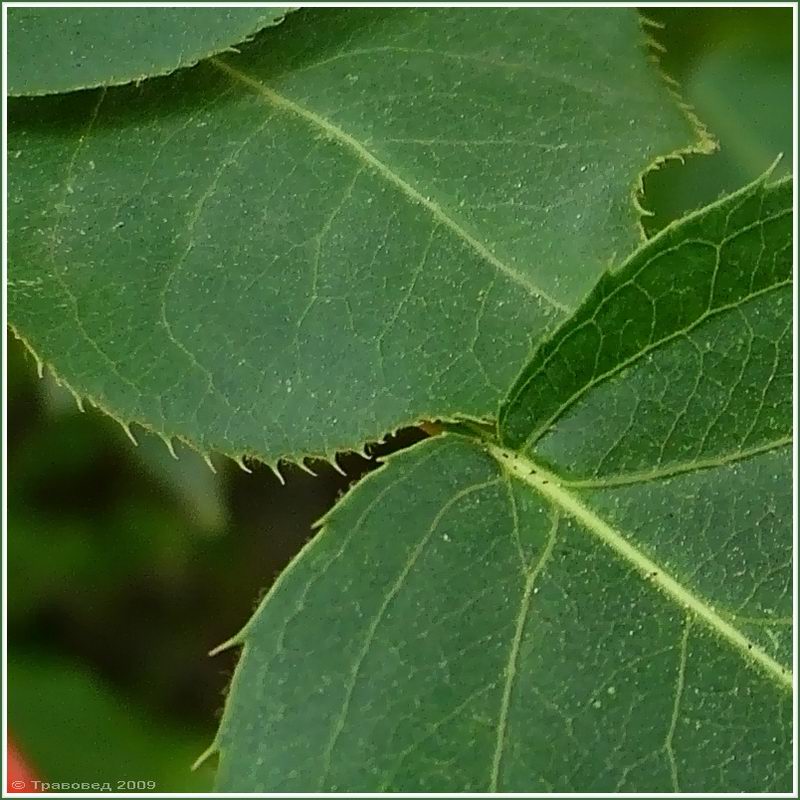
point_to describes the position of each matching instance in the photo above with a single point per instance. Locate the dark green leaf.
(53, 50)
(641, 377)
(620, 620)
(349, 227)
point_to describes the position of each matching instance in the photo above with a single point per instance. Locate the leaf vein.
(513, 658)
(549, 487)
(373, 628)
(670, 471)
(286, 105)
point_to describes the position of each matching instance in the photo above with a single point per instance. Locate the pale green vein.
(193, 219)
(337, 134)
(59, 273)
(513, 658)
(711, 313)
(431, 731)
(548, 486)
(671, 470)
(680, 684)
(512, 501)
(57, 222)
(373, 628)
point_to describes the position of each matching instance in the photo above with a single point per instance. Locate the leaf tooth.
(239, 461)
(338, 467)
(78, 399)
(235, 641)
(649, 22)
(210, 751)
(168, 442)
(275, 468)
(75, 396)
(704, 143)
(126, 426)
(301, 464)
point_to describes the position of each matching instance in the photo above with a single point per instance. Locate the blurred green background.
(126, 566)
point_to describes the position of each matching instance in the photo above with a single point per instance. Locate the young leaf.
(348, 227)
(470, 621)
(53, 50)
(640, 376)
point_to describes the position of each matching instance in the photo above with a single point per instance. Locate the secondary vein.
(672, 470)
(513, 658)
(394, 590)
(285, 104)
(548, 486)
(566, 404)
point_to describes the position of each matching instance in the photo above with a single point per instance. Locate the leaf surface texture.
(603, 605)
(52, 50)
(349, 226)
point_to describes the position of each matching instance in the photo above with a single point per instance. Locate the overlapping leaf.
(53, 50)
(641, 327)
(619, 621)
(346, 228)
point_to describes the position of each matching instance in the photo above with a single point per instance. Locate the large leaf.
(54, 50)
(348, 227)
(469, 620)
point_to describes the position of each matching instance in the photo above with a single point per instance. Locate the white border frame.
(795, 405)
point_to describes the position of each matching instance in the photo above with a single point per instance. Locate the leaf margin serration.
(703, 144)
(231, 47)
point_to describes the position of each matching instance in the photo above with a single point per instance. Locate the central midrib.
(548, 485)
(287, 105)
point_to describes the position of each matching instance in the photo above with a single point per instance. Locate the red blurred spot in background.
(19, 774)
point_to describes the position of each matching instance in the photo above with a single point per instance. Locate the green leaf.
(349, 227)
(470, 619)
(53, 50)
(723, 273)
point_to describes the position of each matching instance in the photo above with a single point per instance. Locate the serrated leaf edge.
(553, 490)
(242, 459)
(704, 144)
(240, 639)
(248, 37)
